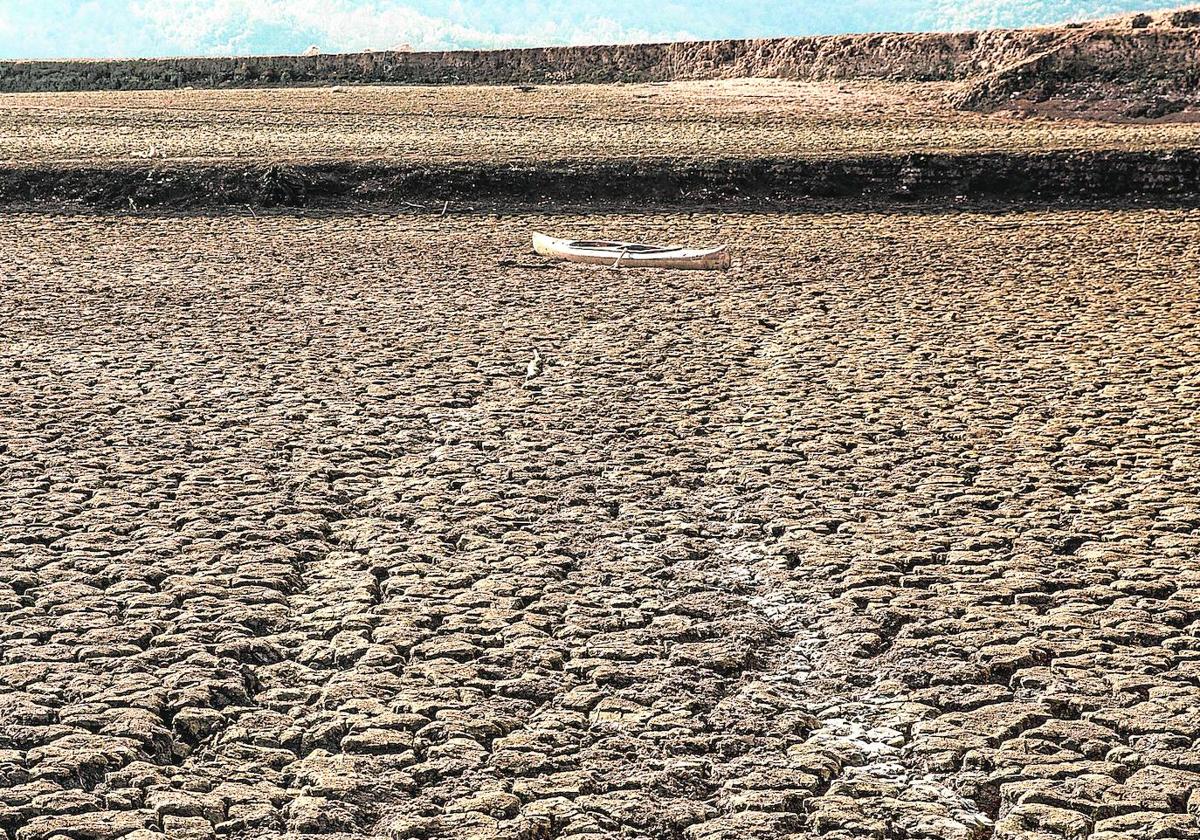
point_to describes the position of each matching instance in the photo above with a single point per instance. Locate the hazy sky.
(126, 28)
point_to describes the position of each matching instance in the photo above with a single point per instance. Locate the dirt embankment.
(1054, 175)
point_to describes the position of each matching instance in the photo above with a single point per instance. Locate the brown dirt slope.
(1142, 66)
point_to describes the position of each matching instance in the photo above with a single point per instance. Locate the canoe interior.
(630, 247)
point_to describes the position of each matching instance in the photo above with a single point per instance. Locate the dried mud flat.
(684, 121)
(888, 533)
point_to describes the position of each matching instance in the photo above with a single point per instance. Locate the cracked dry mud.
(890, 532)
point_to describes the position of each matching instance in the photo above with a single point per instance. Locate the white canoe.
(631, 254)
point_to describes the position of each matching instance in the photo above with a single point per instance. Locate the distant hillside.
(1149, 64)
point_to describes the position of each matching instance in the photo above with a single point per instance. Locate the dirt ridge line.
(909, 56)
(1068, 174)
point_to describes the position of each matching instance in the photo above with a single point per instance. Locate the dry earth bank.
(890, 532)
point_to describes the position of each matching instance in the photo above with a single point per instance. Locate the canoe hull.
(616, 254)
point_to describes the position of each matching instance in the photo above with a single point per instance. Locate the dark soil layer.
(1051, 175)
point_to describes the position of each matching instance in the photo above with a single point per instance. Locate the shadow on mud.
(908, 183)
